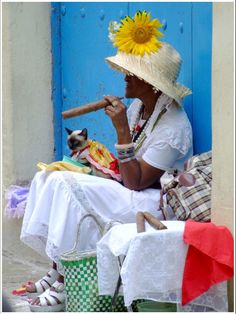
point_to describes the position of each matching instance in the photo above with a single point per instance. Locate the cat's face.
(77, 139)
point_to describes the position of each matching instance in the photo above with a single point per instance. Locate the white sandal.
(44, 283)
(52, 297)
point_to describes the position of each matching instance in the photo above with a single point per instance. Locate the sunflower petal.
(139, 34)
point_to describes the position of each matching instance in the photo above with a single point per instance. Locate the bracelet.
(126, 159)
(125, 150)
(120, 157)
(124, 146)
(126, 153)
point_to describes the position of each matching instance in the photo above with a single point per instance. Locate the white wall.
(223, 190)
(26, 104)
(223, 114)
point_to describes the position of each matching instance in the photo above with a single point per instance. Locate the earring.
(156, 90)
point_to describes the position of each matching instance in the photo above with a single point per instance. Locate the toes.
(31, 301)
(30, 287)
(26, 284)
(37, 302)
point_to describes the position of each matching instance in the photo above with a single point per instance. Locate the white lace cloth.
(153, 267)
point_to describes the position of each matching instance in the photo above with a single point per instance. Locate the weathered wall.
(26, 104)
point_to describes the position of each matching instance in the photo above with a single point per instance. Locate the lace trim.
(43, 245)
(78, 193)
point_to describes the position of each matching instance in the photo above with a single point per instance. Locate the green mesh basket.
(81, 286)
(153, 306)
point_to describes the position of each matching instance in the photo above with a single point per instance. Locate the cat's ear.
(84, 133)
(68, 131)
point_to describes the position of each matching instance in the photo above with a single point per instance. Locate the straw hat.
(155, 62)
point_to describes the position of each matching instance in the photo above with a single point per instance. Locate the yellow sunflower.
(138, 35)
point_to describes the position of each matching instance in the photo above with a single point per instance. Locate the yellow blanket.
(63, 166)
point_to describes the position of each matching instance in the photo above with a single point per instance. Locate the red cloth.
(210, 258)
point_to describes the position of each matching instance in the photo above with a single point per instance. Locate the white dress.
(57, 200)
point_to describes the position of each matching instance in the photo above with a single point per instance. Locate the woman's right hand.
(116, 110)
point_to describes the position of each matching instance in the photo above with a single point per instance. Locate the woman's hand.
(136, 175)
(116, 110)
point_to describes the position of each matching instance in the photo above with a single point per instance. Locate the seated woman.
(153, 135)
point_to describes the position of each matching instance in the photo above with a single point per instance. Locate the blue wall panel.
(56, 78)
(85, 77)
(201, 59)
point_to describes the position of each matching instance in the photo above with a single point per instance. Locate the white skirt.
(57, 201)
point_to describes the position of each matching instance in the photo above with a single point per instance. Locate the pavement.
(16, 271)
(19, 265)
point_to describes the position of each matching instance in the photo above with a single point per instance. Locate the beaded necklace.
(139, 125)
(139, 128)
(140, 136)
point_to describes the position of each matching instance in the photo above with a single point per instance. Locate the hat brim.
(132, 65)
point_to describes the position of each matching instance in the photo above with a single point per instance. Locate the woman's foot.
(42, 284)
(52, 300)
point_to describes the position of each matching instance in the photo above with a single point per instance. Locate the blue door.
(80, 75)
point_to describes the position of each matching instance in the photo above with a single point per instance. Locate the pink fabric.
(210, 258)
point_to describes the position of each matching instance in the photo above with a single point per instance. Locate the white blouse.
(169, 144)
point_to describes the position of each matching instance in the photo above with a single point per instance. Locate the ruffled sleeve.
(170, 144)
(179, 138)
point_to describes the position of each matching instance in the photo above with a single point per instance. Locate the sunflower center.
(141, 35)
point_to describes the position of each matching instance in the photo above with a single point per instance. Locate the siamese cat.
(79, 145)
(77, 141)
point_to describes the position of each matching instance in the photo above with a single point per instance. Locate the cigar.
(140, 222)
(153, 221)
(78, 111)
